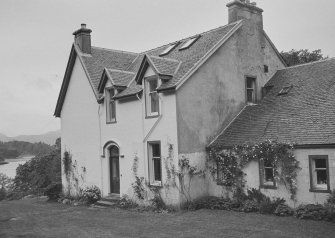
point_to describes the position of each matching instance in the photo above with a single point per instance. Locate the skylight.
(189, 42)
(169, 49)
(285, 90)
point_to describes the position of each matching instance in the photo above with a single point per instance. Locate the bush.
(53, 191)
(283, 210)
(6, 186)
(212, 203)
(37, 173)
(91, 194)
(126, 203)
(268, 206)
(331, 198)
(3, 194)
(249, 206)
(311, 212)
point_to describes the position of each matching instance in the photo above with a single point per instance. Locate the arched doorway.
(114, 169)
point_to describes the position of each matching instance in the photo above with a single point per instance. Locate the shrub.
(6, 186)
(3, 194)
(256, 195)
(37, 173)
(91, 194)
(268, 206)
(311, 212)
(213, 203)
(53, 191)
(126, 203)
(331, 198)
(283, 210)
(249, 206)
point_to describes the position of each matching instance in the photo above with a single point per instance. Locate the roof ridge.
(114, 50)
(309, 63)
(205, 32)
(168, 59)
(121, 71)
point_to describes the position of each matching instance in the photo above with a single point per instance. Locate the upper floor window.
(151, 96)
(250, 90)
(110, 106)
(319, 173)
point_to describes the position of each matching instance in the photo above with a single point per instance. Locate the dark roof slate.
(101, 58)
(303, 116)
(121, 78)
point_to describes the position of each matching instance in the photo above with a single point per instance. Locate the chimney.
(82, 38)
(244, 9)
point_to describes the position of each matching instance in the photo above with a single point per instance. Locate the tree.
(295, 57)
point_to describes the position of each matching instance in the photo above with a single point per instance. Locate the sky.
(36, 38)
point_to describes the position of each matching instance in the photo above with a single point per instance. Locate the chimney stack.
(244, 9)
(82, 38)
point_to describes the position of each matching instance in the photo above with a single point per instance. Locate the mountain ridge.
(48, 137)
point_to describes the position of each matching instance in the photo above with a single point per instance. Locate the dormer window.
(250, 90)
(151, 96)
(110, 106)
(189, 42)
(169, 49)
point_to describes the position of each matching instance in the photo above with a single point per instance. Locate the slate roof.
(176, 63)
(101, 58)
(121, 78)
(303, 116)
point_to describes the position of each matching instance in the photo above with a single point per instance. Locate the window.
(110, 106)
(266, 68)
(189, 42)
(155, 167)
(266, 172)
(169, 49)
(251, 90)
(285, 90)
(152, 99)
(319, 173)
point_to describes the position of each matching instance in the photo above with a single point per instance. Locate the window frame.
(147, 98)
(151, 169)
(189, 42)
(109, 100)
(262, 184)
(313, 188)
(254, 78)
(168, 49)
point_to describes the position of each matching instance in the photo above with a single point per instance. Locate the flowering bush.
(231, 163)
(91, 194)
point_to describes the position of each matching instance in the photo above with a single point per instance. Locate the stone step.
(105, 203)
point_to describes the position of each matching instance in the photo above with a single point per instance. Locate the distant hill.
(48, 138)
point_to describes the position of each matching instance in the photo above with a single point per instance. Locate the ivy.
(231, 163)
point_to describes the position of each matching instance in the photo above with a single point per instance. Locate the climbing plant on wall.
(231, 162)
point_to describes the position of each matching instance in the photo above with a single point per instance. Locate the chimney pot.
(83, 26)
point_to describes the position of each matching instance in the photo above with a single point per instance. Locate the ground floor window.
(155, 165)
(319, 173)
(266, 172)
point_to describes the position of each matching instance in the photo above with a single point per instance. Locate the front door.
(114, 170)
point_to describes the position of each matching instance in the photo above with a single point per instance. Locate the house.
(126, 115)
(298, 108)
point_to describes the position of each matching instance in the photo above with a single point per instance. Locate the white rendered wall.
(80, 129)
(129, 132)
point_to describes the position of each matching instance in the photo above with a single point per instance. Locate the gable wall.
(79, 127)
(216, 92)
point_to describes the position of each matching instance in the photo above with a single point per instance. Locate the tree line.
(13, 149)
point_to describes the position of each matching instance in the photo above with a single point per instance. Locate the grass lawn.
(33, 218)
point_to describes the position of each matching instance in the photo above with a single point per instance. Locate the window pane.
(250, 95)
(152, 85)
(154, 102)
(112, 110)
(321, 177)
(156, 150)
(268, 174)
(157, 169)
(250, 82)
(320, 163)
